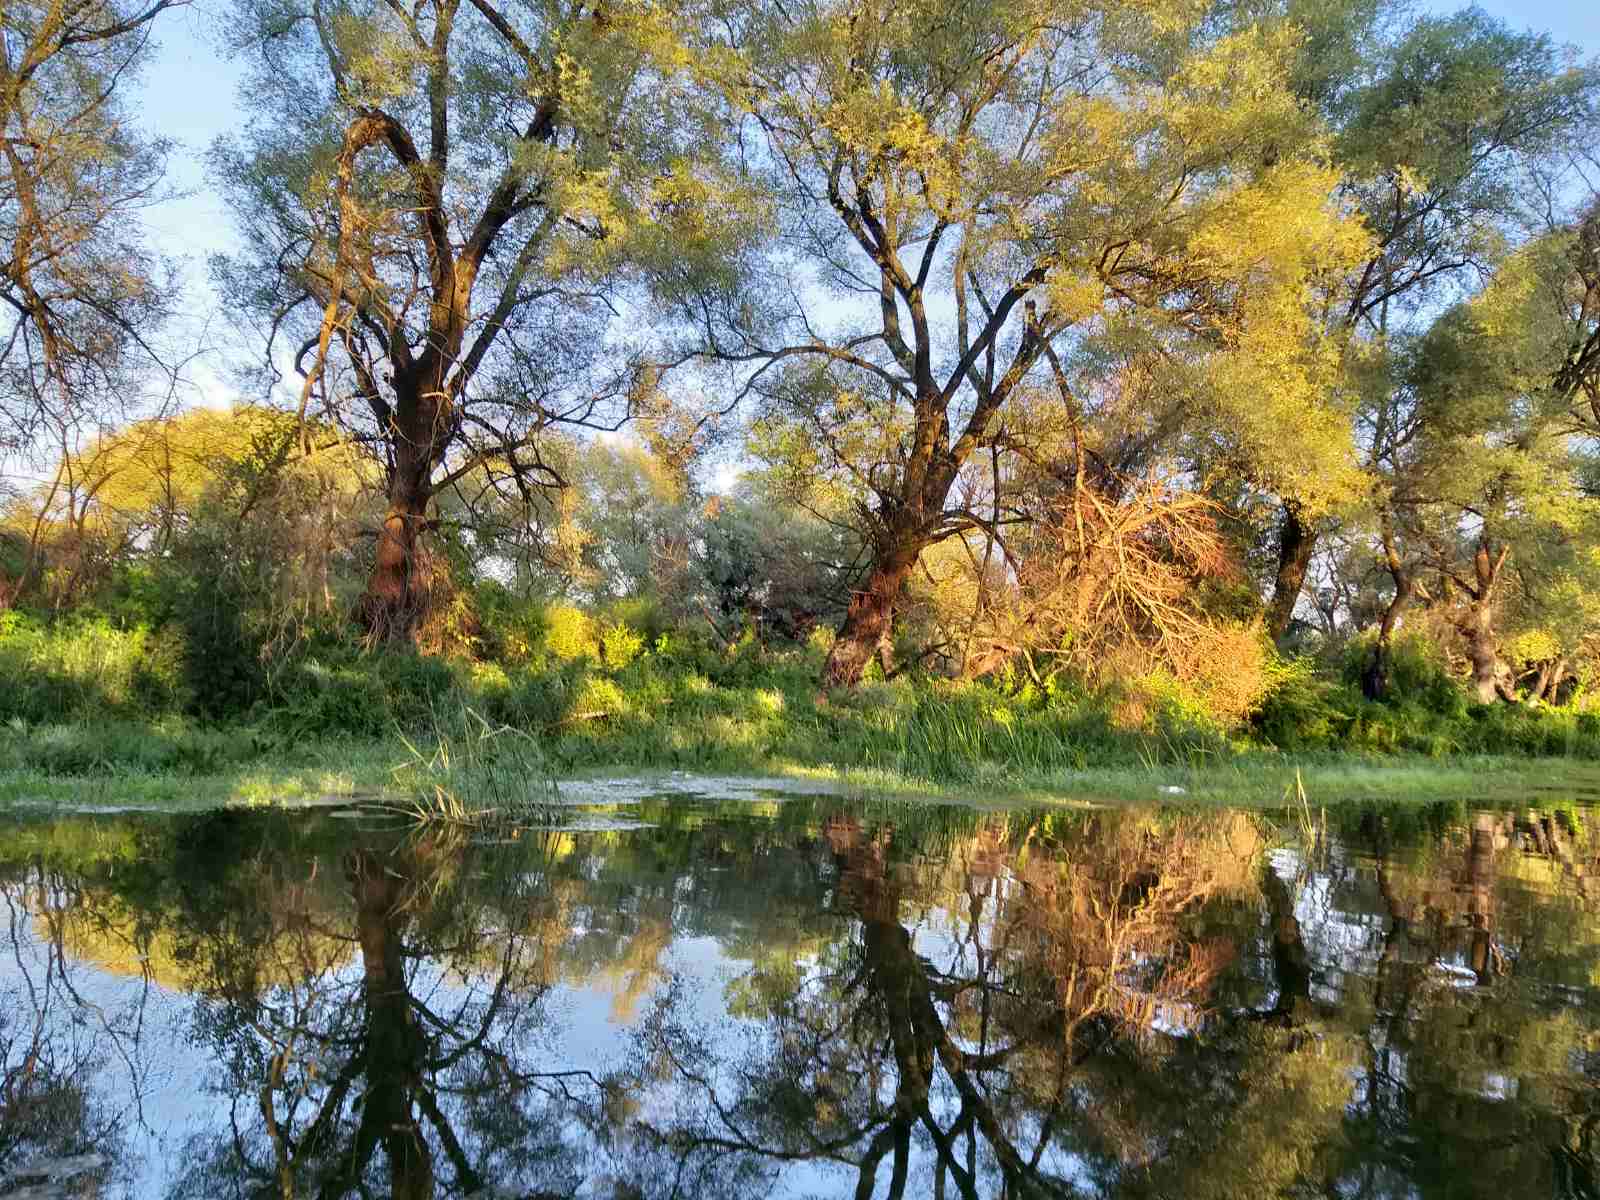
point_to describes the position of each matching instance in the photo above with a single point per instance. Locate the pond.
(803, 996)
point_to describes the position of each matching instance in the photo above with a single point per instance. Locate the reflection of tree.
(1475, 1025)
(410, 1072)
(957, 1079)
(953, 1004)
(56, 1045)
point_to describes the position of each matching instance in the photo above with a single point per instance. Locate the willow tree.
(1487, 511)
(1435, 131)
(447, 205)
(82, 293)
(974, 195)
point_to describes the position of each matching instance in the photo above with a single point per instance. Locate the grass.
(434, 771)
(95, 724)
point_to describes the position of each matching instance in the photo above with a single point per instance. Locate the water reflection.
(804, 999)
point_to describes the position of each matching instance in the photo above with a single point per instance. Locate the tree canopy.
(1102, 337)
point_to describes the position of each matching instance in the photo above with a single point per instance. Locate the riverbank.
(174, 767)
(86, 721)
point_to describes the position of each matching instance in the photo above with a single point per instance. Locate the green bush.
(535, 700)
(620, 645)
(121, 748)
(1305, 713)
(340, 690)
(569, 633)
(85, 669)
(510, 631)
(1418, 673)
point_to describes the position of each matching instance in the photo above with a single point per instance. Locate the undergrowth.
(84, 698)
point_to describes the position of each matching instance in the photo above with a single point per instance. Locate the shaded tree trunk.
(1291, 963)
(401, 582)
(870, 618)
(400, 587)
(395, 1048)
(1297, 542)
(1491, 678)
(1483, 653)
(1375, 680)
(1480, 878)
(1547, 683)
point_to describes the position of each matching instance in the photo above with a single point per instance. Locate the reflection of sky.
(142, 1067)
(182, 1108)
(1336, 904)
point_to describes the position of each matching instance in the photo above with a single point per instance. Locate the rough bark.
(1375, 680)
(1491, 678)
(416, 383)
(400, 585)
(1297, 541)
(1483, 653)
(870, 617)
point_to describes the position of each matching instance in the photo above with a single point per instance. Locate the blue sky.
(188, 93)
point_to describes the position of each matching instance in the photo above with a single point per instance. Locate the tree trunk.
(1480, 885)
(870, 617)
(1552, 685)
(1484, 655)
(394, 1043)
(1375, 680)
(1296, 543)
(1290, 961)
(1490, 676)
(400, 587)
(401, 583)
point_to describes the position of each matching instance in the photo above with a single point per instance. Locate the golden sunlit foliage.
(1183, 358)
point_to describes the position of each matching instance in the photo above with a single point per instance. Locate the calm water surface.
(804, 997)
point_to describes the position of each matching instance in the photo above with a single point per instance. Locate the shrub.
(620, 645)
(340, 690)
(510, 630)
(597, 697)
(84, 669)
(1304, 712)
(569, 633)
(1419, 672)
(121, 748)
(534, 699)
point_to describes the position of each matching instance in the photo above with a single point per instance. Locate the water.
(803, 997)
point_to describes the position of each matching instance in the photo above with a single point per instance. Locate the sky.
(189, 94)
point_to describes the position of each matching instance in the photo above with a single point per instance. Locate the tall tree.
(1434, 142)
(1487, 463)
(972, 194)
(82, 294)
(446, 204)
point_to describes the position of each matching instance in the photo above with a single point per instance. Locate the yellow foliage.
(569, 633)
(598, 697)
(159, 469)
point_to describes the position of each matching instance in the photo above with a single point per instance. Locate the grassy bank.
(94, 716)
(171, 766)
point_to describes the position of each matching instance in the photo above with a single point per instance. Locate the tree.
(82, 294)
(1487, 464)
(445, 206)
(773, 560)
(233, 481)
(1435, 143)
(973, 192)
